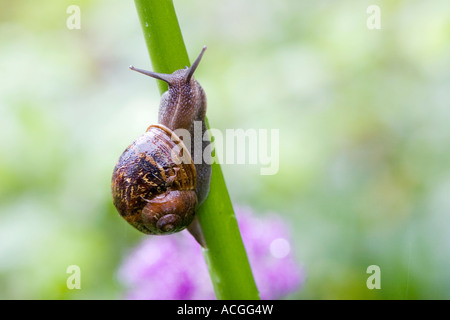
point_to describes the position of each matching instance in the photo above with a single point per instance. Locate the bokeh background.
(363, 115)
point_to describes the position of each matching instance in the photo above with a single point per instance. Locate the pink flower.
(173, 267)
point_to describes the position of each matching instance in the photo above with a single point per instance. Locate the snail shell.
(153, 187)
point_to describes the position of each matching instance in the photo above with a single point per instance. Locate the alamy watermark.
(374, 20)
(235, 146)
(74, 280)
(374, 280)
(74, 20)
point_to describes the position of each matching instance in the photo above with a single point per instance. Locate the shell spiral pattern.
(153, 188)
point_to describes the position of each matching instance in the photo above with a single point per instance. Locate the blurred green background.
(363, 116)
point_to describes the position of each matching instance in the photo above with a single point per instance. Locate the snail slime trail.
(154, 188)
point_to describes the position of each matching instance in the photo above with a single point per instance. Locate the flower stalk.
(224, 253)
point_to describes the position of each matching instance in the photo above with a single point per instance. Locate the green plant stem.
(225, 254)
(163, 37)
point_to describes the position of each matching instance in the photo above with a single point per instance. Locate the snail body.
(156, 186)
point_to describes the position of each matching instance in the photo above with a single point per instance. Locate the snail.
(156, 186)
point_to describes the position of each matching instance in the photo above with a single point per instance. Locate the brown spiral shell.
(152, 188)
